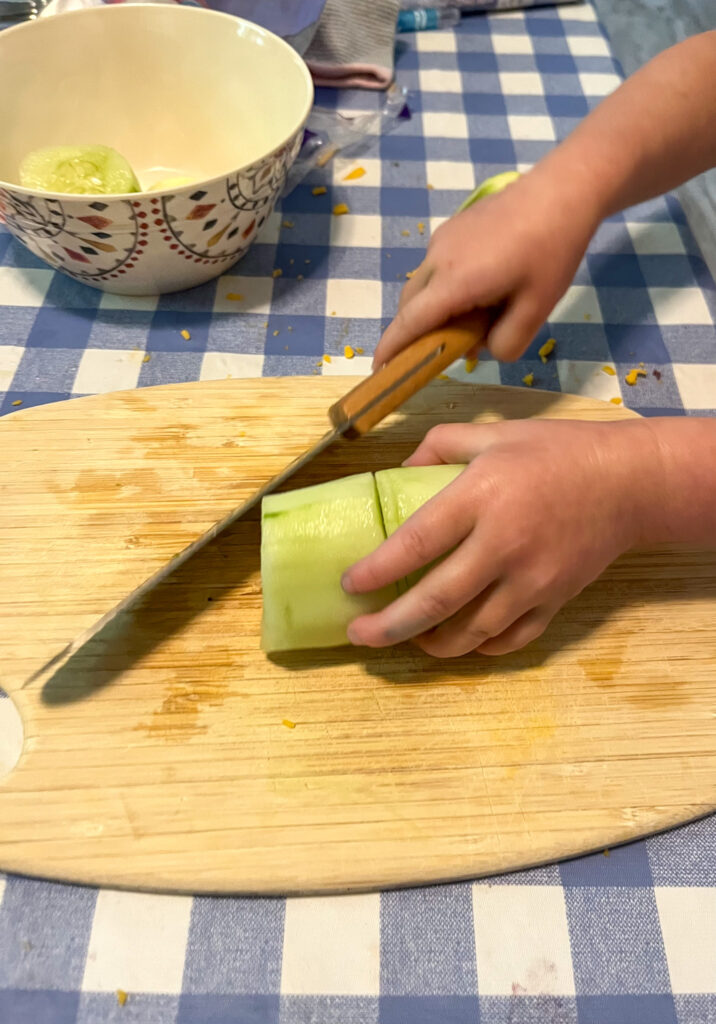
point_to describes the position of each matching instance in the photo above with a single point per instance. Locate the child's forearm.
(654, 133)
(677, 492)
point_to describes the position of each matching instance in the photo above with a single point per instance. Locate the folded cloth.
(354, 44)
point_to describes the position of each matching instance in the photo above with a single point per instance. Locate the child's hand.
(540, 512)
(517, 250)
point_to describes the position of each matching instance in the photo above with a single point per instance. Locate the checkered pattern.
(628, 938)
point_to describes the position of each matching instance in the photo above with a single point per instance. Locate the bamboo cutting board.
(157, 757)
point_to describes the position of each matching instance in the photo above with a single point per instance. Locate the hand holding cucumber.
(521, 535)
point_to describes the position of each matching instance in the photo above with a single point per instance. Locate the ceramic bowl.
(180, 92)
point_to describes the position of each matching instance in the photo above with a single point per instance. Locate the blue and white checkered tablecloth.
(624, 938)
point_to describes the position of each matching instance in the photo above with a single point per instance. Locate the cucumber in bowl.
(78, 170)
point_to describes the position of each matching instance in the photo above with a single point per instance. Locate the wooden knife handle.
(385, 390)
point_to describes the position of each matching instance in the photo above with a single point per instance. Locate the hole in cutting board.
(12, 735)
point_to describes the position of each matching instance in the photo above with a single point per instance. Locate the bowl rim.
(112, 10)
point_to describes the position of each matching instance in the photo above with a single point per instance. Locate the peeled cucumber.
(78, 170)
(309, 537)
(402, 491)
(488, 187)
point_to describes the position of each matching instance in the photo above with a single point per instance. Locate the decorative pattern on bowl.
(156, 242)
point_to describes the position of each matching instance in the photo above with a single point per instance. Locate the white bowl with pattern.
(179, 91)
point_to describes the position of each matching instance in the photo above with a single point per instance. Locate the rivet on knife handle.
(383, 392)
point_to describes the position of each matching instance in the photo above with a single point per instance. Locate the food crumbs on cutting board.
(633, 375)
(430, 187)
(610, 370)
(546, 350)
(348, 352)
(410, 274)
(299, 277)
(528, 379)
(185, 335)
(122, 996)
(147, 357)
(333, 312)
(277, 272)
(319, 190)
(443, 376)
(265, 323)
(289, 328)
(326, 358)
(616, 401)
(340, 209)
(606, 853)
(287, 224)
(276, 334)
(359, 351)
(470, 365)
(421, 228)
(18, 401)
(233, 297)
(288, 723)
(405, 233)
(355, 174)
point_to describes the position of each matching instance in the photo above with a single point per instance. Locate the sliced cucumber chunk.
(309, 538)
(78, 170)
(402, 491)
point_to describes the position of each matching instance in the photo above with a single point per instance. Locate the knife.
(352, 416)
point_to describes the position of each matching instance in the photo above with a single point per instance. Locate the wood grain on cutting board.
(157, 758)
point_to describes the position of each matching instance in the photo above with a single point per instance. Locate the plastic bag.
(328, 133)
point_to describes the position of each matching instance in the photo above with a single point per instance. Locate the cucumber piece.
(488, 187)
(78, 170)
(402, 491)
(309, 538)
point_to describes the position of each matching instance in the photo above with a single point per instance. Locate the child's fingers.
(438, 595)
(486, 616)
(423, 312)
(419, 279)
(454, 443)
(442, 296)
(515, 328)
(428, 534)
(520, 633)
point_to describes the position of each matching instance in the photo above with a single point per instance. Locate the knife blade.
(354, 415)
